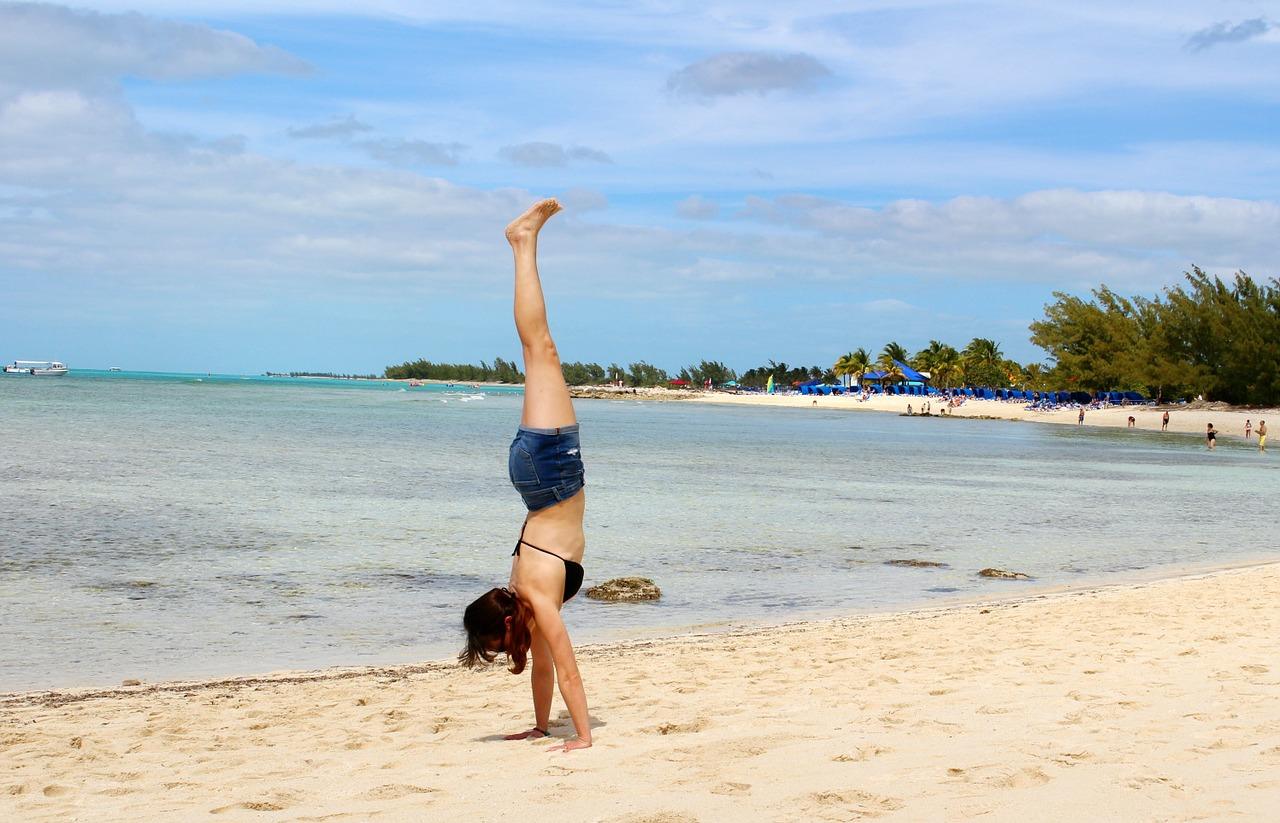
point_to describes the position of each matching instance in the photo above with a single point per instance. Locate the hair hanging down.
(485, 621)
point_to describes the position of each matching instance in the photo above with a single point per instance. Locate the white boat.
(39, 368)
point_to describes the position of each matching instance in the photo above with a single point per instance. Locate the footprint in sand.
(862, 753)
(1000, 777)
(560, 771)
(1072, 758)
(846, 804)
(249, 805)
(732, 788)
(1255, 668)
(55, 791)
(681, 728)
(394, 791)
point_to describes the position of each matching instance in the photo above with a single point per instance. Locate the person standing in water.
(1164, 422)
(544, 464)
(1248, 428)
(1262, 435)
(1210, 437)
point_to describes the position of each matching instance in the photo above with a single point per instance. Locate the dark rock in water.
(916, 564)
(1001, 574)
(131, 682)
(625, 590)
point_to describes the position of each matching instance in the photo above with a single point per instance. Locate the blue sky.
(239, 187)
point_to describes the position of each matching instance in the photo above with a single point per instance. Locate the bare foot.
(526, 227)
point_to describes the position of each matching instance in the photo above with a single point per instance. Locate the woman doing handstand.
(546, 468)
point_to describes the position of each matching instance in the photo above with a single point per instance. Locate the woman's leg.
(546, 398)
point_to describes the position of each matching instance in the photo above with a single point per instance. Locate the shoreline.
(1019, 591)
(1150, 701)
(1190, 419)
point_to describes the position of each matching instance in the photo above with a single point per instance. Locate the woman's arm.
(547, 616)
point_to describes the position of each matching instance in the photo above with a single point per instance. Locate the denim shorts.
(545, 465)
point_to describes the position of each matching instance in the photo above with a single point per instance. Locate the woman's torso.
(558, 530)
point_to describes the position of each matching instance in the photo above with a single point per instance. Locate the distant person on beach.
(1132, 421)
(545, 465)
(1164, 422)
(1248, 428)
(1210, 437)
(1262, 435)
(1080, 417)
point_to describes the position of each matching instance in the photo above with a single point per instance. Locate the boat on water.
(39, 368)
(115, 368)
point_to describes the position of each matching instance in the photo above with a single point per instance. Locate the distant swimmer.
(1210, 437)
(544, 464)
(1262, 435)
(1164, 422)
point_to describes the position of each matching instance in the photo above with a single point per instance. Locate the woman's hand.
(571, 744)
(531, 733)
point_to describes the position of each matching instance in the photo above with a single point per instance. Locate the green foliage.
(715, 371)
(583, 374)
(783, 375)
(983, 364)
(943, 362)
(892, 351)
(502, 371)
(1220, 339)
(642, 374)
(852, 365)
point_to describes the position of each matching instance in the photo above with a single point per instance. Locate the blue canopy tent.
(911, 374)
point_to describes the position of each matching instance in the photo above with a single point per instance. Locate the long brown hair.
(488, 633)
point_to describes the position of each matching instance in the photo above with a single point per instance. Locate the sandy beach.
(1228, 422)
(1158, 701)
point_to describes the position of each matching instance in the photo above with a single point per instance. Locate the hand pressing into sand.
(571, 744)
(533, 733)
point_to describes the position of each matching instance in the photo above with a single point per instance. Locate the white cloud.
(542, 154)
(697, 207)
(407, 152)
(742, 72)
(338, 127)
(1117, 236)
(47, 46)
(1225, 32)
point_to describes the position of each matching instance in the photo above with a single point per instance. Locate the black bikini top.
(573, 572)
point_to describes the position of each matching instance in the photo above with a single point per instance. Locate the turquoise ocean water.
(173, 526)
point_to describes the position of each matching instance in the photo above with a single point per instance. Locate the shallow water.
(181, 526)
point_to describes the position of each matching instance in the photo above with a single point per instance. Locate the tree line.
(1204, 337)
(502, 371)
(506, 371)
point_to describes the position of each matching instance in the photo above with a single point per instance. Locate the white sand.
(1152, 702)
(1228, 422)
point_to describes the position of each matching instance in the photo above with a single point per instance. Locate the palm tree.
(926, 359)
(861, 362)
(893, 351)
(855, 363)
(945, 365)
(983, 362)
(1035, 376)
(844, 367)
